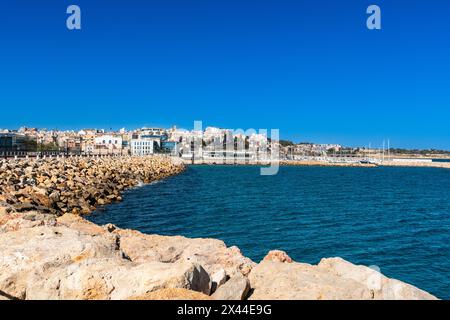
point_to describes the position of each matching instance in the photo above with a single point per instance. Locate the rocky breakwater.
(75, 185)
(278, 277)
(43, 256)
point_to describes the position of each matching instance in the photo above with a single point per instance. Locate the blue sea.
(395, 218)
(441, 160)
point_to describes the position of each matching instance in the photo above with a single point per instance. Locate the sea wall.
(48, 251)
(323, 163)
(317, 163)
(386, 163)
(76, 185)
(405, 163)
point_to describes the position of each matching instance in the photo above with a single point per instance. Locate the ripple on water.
(395, 218)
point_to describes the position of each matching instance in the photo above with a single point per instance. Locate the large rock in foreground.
(71, 258)
(64, 263)
(237, 288)
(331, 279)
(212, 254)
(108, 279)
(44, 257)
(380, 286)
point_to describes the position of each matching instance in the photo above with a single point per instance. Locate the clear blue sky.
(310, 68)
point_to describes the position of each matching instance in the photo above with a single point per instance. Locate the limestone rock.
(77, 185)
(75, 222)
(43, 257)
(54, 197)
(64, 263)
(278, 256)
(173, 294)
(332, 279)
(381, 286)
(299, 281)
(218, 279)
(4, 210)
(236, 288)
(41, 199)
(212, 254)
(15, 221)
(30, 250)
(24, 207)
(103, 279)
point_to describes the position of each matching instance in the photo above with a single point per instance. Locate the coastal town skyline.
(50, 135)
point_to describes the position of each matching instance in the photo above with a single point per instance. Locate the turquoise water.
(395, 218)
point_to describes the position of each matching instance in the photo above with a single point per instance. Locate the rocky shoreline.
(48, 251)
(76, 185)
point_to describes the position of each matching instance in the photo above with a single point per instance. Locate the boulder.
(29, 250)
(104, 279)
(218, 279)
(381, 286)
(236, 288)
(15, 221)
(41, 199)
(79, 260)
(300, 281)
(25, 206)
(278, 256)
(5, 209)
(212, 254)
(54, 197)
(332, 279)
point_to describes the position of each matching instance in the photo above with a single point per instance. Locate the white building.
(108, 140)
(152, 131)
(177, 135)
(108, 144)
(144, 146)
